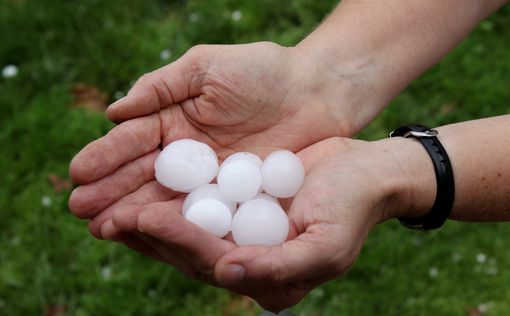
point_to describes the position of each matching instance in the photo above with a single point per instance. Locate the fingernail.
(233, 273)
(107, 229)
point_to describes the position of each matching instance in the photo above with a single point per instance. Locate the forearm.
(381, 46)
(479, 152)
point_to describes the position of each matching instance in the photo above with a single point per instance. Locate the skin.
(259, 97)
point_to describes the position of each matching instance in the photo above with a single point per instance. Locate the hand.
(350, 186)
(255, 97)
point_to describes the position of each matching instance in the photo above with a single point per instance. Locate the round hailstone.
(185, 165)
(264, 196)
(260, 222)
(244, 155)
(282, 174)
(239, 180)
(211, 215)
(207, 191)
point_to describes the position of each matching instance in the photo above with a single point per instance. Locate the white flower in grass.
(481, 258)
(106, 273)
(456, 257)
(484, 307)
(492, 270)
(46, 201)
(118, 95)
(15, 240)
(194, 17)
(165, 54)
(152, 293)
(433, 272)
(10, 71)
(237, 15)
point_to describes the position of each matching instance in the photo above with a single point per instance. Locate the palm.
(327, 231)
(242, 97)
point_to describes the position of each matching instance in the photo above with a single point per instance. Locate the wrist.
(411, 181)
(352, 78)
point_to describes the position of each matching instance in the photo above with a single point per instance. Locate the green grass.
(48, 259)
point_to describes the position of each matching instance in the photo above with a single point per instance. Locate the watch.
(445, 193)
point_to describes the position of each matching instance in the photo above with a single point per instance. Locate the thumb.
(161, 88)
(294, 260)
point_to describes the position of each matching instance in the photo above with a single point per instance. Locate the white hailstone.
(244, 155)
(165, 54)
(211, 215)
(260, 222)
(207, 191)
(237, 15)
(282, 174)
(239, 180)
(264, 196)
(186, 164)
(10, 71)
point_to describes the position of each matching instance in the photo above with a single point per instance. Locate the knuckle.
(125, 130)
(197, 51)
(144, 79)
(155, 224)
(277, 271)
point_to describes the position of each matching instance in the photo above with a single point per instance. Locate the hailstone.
(239, 180)
(185, 165)
(282, 174)
(260, 222)
(207, 191)
(244, 155)
(211, 215)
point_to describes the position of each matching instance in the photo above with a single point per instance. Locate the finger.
(138, 245)
(195, 244)
(122, 144)
(174, 258)
(168, 85)
(148, 193)
(298, 259)
(126, 218)
(88, 200)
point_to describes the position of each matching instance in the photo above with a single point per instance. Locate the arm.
(381, 46)
(479, 152)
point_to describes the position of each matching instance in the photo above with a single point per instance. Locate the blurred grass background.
(74, 57)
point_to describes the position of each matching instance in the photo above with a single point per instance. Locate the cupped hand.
(253, 97)
(257, 96)
(345, 194)
(342, 199)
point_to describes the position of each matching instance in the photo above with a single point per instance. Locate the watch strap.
(445, 193)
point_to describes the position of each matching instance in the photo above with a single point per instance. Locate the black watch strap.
(445, 195)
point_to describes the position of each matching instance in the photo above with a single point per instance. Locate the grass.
(50, 265)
